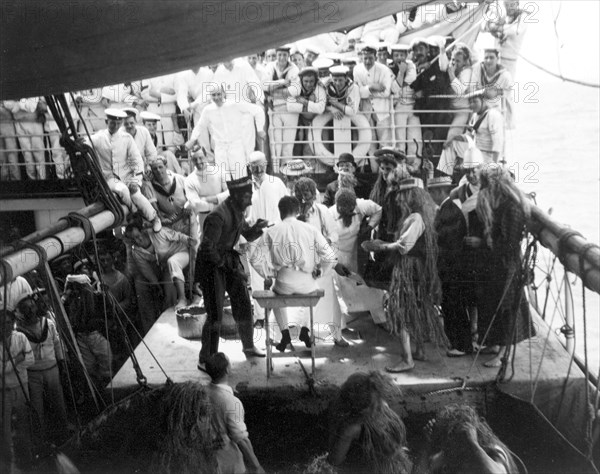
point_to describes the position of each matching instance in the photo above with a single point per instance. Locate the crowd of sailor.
(390, 93)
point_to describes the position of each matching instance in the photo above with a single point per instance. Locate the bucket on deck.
(190, 321)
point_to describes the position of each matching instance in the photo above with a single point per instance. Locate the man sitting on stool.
(297, 254)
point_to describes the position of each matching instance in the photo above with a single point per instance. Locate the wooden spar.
(541, 224)
(26, 259)
(549, 233)
(58, 226)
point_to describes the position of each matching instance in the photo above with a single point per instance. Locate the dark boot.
(285, 340)
(304, 336)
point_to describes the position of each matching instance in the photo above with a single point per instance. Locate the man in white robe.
(222, 122)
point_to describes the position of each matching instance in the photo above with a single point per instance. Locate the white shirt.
(490, 134)
(118, 155)
(225, 124)
(352, 101)
(200, 184)
(378, 74)
(320, 218)
(291, 244)
(316, 106)
(265, 199)
(348, 236)
(412, 228)
(144, 143)
(18, 345)
(273, 74)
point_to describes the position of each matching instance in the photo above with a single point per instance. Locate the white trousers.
(284, 134)
(9, 157)
(230, 157)
(31, 141)
(138, 199)
(407, 129)
(176, 264)
(60, 157)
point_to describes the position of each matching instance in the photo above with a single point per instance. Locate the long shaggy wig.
(448, 437)
(498, 187)
(364, 399)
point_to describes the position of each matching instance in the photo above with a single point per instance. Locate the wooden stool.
(269, 300)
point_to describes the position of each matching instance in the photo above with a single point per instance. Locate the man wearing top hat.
(280, 75)
(219, 268)
(375, 82)
(308, 99)
(345, 165)
(122, 165)
(408, 125)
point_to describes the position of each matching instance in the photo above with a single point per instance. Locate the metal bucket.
(190, 321)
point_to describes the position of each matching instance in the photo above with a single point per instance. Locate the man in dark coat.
(219, 269)
(345, 164)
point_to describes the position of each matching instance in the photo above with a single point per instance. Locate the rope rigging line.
(554, 74)
(134, 358)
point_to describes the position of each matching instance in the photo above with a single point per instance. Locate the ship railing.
(567, 260)
(326, 137)
(357, 134)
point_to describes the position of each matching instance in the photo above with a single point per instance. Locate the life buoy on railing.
(362, 143)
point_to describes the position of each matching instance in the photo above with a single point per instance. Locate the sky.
(577, 48)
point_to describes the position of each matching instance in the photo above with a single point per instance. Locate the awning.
(59, 46)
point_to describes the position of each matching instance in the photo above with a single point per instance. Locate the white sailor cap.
(130, 111)
(149, 116)
(333, 56)
(312, 50)
(322, 63)
(350, 60)
(400, 47)
(436, 41)
(339, 70)
(417, 40)
(308, 70)
(115, 114)
(383, 46)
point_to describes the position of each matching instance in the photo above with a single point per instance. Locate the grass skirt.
(412, 303)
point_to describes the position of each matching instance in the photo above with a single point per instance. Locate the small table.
(268, 299)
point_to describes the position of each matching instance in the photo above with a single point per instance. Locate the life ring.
(363, 141)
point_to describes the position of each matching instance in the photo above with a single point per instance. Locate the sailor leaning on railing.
(421, 99)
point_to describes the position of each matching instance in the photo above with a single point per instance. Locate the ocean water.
(556, 153)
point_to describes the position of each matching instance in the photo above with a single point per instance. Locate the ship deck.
(283, 412)
(371, 348)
